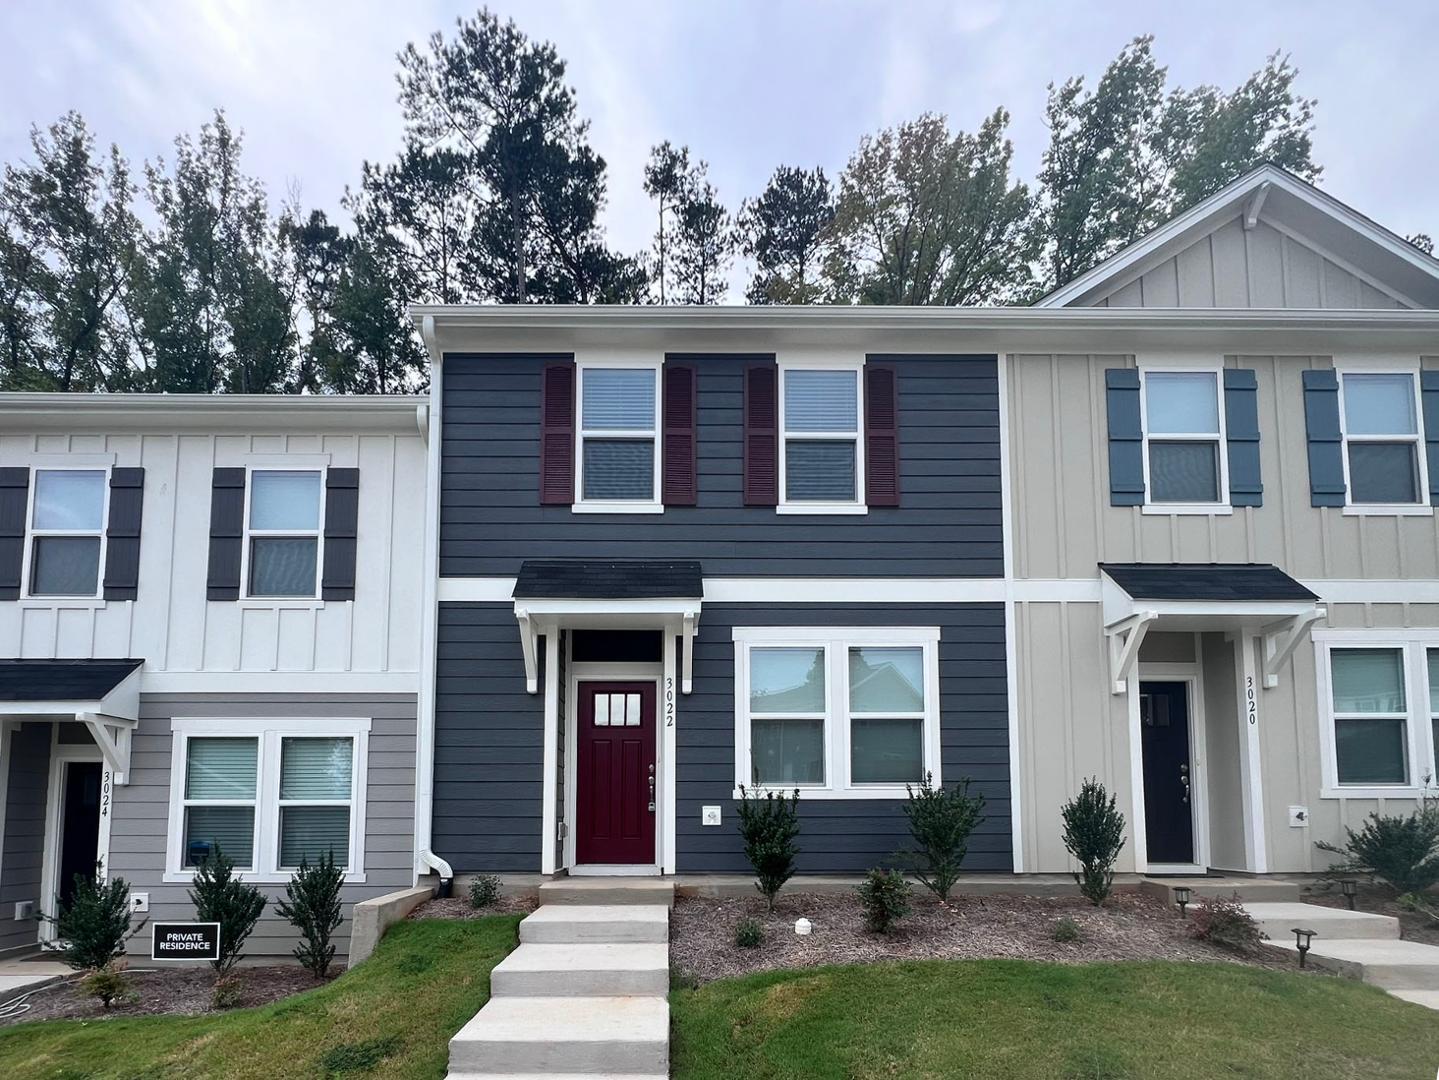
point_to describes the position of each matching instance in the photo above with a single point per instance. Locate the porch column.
(1256, 858)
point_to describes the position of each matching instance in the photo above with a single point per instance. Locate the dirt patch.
(458, 907)
(1379, 900)
(1128, 927)
(173, 992)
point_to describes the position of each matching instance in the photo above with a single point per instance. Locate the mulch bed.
(173, 992)
(458, 907)
(1128, 927)
(1378, 900)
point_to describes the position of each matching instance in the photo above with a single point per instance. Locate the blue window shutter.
(1326, 445)
(1429, 393)
(1241, 431)
(1126, 440)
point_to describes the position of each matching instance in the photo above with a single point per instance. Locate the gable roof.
(1282, 199)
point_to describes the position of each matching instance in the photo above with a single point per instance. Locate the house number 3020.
(1251, 706)
(669, 702)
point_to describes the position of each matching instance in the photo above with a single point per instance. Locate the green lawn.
(391, 1017)
(1009, 1018)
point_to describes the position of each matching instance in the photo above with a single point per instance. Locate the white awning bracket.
(1125, 637)
(113, 735)
(1280, 639)
(529, 645)
(687, 651)
(539, 617)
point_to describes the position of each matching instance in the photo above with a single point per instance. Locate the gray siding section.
(948, 523)
(24, 849)
(138, 832)
(489, 742)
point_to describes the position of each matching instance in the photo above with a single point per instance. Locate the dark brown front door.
(616, 784)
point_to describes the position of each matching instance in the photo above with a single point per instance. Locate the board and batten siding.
(139, 828)
(1262, 267)
(22, 855)
(490, 753)
(171, 625)
(948, 523)
(1064, 525)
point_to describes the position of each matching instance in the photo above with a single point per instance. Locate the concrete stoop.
(1267, 889)
(1358, 945)
(584, 995)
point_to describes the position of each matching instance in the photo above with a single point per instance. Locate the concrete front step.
(551, 1076)
(1278, 890)
(1392, 965)
(574, 924)
(1428, 998)
(608, 890)
(1278, 920)
(582, 971)
(594, 1036)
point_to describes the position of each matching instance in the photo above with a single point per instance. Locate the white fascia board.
(387, 414)
(281, 682)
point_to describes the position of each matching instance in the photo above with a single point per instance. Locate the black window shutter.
(1429, 395)
(761, 435)
(1126, 439)
(122, 533)
(342, 515)
(14, 500)
(678, 469)
(881, 436)
(1241, 431)
(227, 528)
(1326, 446)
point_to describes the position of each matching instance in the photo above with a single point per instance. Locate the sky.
(747, 84)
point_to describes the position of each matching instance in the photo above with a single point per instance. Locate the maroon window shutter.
(881, 436)
(761, 435)
(557, 435)
(678, 469)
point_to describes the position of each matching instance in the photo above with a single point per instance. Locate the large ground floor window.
(836, 712)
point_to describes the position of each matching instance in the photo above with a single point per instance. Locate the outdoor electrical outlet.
(139, 902)
(24, 909)
(1298, 817)
(709, 815)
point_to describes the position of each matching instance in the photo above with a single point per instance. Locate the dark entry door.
(1168, 772)
(79, 825)
(615, 809)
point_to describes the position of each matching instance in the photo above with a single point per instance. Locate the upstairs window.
(822, 456)
(67, 522)
(283, 534)
(619, 466)
(1183, 438)
(1383, 455)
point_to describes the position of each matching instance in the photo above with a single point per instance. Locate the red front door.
(616, 808)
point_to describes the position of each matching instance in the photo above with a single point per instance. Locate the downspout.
(425, 859)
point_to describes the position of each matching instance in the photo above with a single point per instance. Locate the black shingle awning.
(62, 680)
(1222, 582)
(609, 579)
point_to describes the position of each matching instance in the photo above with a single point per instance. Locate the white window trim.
(269, 732)
(1418, 741)
(654, 505)
(858, 505)
(31, 534)
(837, 641)
(259, 599)
(1223, 506)
(1421, 508)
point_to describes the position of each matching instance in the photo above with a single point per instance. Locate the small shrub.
(228, 992)
(749, 934)
(884, 895)
(1401, 850)
(1094, 835)
(219, 896)
(1066, 931)
(682, 978)
(360, 1056)
(96, 922)
(941, 821)
(108, 984)
(485, 891)
(1223, 921)
(312, 904)
(769, 824)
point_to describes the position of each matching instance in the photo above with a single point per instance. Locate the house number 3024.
(1251, 705)
(669, 702)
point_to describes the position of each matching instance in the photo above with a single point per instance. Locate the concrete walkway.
(1357, 945)
(17, 976)
(586, 992)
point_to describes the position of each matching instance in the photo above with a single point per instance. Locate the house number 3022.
(669, 702)
(1251, 705)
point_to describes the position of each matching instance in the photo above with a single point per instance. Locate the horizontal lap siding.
(139, 830)
(24, 840)
(948, 523)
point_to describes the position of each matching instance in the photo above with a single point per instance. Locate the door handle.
(652, 789)
(1184, 779)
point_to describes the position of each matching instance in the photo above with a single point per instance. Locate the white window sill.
(187, 877)
(96, 602)
(617, 508)
(260, 603)
(1359, 792)
(821, 508)
(1210, 509)
(832, 794)
(1383, 510)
